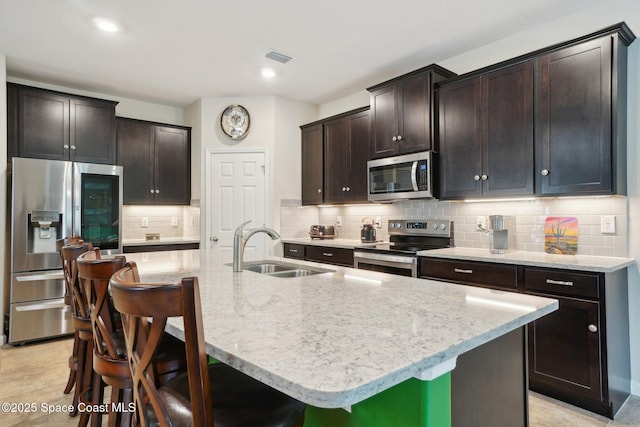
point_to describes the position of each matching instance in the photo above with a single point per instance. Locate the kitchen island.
(379, 345)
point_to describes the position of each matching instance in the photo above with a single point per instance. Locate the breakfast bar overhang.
(361, 348)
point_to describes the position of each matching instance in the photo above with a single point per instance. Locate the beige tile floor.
(37, 373)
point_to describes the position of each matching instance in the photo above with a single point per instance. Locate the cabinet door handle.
(152, 191)
(73, 147)
(293, 251)
(319, 190)
(544, 172)
(592, 328)
(559, 282)
(460, 270)
(348, 188)
(476, 177)
(394, 139)
(157, 191)
(65, 146)
(484, 177)
(344, 188)
(327, 254)
(399, 137)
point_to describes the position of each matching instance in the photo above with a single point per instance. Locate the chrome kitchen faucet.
(240, 238)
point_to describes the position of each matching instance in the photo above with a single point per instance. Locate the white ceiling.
(175, 52)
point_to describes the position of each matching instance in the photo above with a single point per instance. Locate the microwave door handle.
(414, 176)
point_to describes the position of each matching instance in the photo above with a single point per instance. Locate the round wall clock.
(235, 121)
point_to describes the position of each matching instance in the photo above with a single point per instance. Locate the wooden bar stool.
(206, 395)
(81, 322)
(68, 300)
(110, 362)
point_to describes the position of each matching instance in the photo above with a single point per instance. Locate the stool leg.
(81, 360)
(87, 379)
(97, 397)
(122, 418)
(73, 364)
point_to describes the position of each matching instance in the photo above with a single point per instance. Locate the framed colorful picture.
(561, 235)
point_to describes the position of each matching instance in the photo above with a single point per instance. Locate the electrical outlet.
(608, 224)
(378, 222)
(174, 221)
(145, 222)
(338, 221)
(481, 223)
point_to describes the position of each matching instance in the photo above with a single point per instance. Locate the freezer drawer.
(37, 285)
(39, 319)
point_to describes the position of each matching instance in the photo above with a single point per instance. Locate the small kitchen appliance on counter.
(368, 231)
(322, 232)
(502, 233)
(407, 237)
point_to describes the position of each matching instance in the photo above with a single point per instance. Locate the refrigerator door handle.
(41, 276)
(48, 305)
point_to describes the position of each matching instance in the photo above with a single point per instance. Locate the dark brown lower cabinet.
(324, 254)
(329, 255)
(565, 349)
(578, 354)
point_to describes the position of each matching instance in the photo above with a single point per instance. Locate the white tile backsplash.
(160, 221)
(530, 218)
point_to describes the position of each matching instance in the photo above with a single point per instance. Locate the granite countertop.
(536, 259)
(161, 241)
(337, 338)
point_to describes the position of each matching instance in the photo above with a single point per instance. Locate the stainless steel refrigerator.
(51, 200)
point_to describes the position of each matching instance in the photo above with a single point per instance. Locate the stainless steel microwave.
(400, 177)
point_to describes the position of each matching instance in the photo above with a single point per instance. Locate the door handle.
(213, 238)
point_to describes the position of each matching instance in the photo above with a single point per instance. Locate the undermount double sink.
(278, 269)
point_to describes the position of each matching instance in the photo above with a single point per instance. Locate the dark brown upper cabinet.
(335, 151)
(549, 123)
(581, 134)
(346, 151)
(486, 134)
(156, 160)
(402, 112)
(52, 125)
(312, 164)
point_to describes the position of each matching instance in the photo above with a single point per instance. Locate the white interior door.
(236, 189)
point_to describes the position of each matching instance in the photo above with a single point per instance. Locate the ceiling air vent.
(280, 57)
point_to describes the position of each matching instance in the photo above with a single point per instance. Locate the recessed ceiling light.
(106, 25)
(268, 73)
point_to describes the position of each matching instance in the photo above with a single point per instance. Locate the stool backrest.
(70, 254)
(139, 301)
(94, 275)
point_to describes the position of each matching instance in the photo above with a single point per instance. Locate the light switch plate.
(338, 221)
(608, 224)
(174, 221)
(481, 223)
(145, 222)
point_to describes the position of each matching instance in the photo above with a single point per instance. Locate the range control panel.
(423, 227)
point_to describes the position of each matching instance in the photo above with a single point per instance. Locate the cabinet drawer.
(294, 251)
(562, 282)
(470, 273)
(337, 256)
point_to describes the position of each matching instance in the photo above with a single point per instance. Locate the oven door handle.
(414, 176)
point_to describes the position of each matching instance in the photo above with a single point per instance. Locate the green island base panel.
(412, 403)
